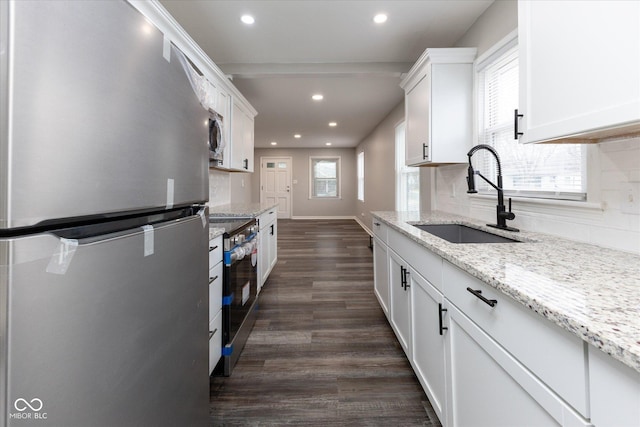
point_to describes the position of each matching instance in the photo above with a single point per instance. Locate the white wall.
(301, 205)
(611, 167)
(379, 167)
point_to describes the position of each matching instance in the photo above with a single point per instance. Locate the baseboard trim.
(364, 227)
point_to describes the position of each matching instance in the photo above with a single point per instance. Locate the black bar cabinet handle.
(402, 277)
(377, 224)
(246, 163)
(478, 293)
(424, 152)
(516, 134)
(212, 279)
(213, 248)
(272, 229)
(405, 283)
(212, 333)
(440, 311)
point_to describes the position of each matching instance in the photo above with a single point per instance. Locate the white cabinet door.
(438, 107)
(273, 244)
(381, 274)
(400, 301)
(488, 387)
(428, 343)
(615, 391)
(417, 114)
(579, 67)
(242, 124)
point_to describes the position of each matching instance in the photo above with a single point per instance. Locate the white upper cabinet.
(242, 131)
(579, 70)
(439, 107)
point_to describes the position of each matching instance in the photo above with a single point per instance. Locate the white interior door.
(275, 183)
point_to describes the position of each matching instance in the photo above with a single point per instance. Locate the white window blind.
(529, 170)
(324, 181)
(360, 173)
(407, 177)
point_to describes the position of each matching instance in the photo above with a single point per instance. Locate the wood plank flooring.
(322, 352)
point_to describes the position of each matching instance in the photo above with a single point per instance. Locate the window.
(360, 173)
(407, 178)
(528, 170)
(324, 181)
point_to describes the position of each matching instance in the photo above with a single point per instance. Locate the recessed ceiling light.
(317, 97)
(380, 18)
(297, 136)
(247, 19)
(327, 143)
(274, 143)
(333, 124)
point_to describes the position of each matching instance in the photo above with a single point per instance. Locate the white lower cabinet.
(381, 274)
(215, 301)
(400, 301)
(268, 244)
(486, 364)
(615, 391)
(215, 341)
(428, 340)
(489, 387)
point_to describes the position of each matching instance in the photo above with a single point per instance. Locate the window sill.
(565, 208)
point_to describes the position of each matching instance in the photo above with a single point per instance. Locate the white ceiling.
(300, 47)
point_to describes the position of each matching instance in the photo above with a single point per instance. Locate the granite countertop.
(242, 210)
(590, 291)
(215, 232)
(236, 210)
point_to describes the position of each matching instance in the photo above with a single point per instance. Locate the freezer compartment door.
(101, 117)
(110, 332)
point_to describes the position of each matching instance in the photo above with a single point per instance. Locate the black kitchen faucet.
(501, 214)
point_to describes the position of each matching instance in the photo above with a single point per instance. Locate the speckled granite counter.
(244, 210)
(215, 232)
(591, 291)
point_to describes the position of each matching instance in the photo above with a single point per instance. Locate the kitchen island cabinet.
(564, 97)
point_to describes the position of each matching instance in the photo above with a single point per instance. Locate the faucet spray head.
(471, 179)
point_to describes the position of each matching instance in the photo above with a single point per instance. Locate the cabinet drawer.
(215, 289)
(215, 341)
(267, 218)
(425, 262)
(556, 356)
(215, 251)
(380, 230)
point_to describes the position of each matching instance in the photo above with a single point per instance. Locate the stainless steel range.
(239, 289)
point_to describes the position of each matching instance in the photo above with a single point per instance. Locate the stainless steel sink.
(458, 233)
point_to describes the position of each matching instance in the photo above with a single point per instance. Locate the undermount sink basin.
(458, 233)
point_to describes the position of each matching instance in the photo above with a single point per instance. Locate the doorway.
(275, 183)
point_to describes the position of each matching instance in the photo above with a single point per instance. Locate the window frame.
(491, 56)
(401, 170)
(338, 178)
(360, 175)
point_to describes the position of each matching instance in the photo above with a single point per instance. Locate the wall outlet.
(630, 198)
(242, 182)
(295, 181)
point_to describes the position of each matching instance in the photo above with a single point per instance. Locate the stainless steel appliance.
(103, 238)
(240, 287)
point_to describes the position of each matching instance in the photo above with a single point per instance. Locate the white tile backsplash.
(612, 164)
(219, 188)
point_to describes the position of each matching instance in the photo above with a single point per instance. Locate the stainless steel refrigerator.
(103, 233)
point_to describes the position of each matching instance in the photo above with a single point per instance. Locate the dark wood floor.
(322, 352)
